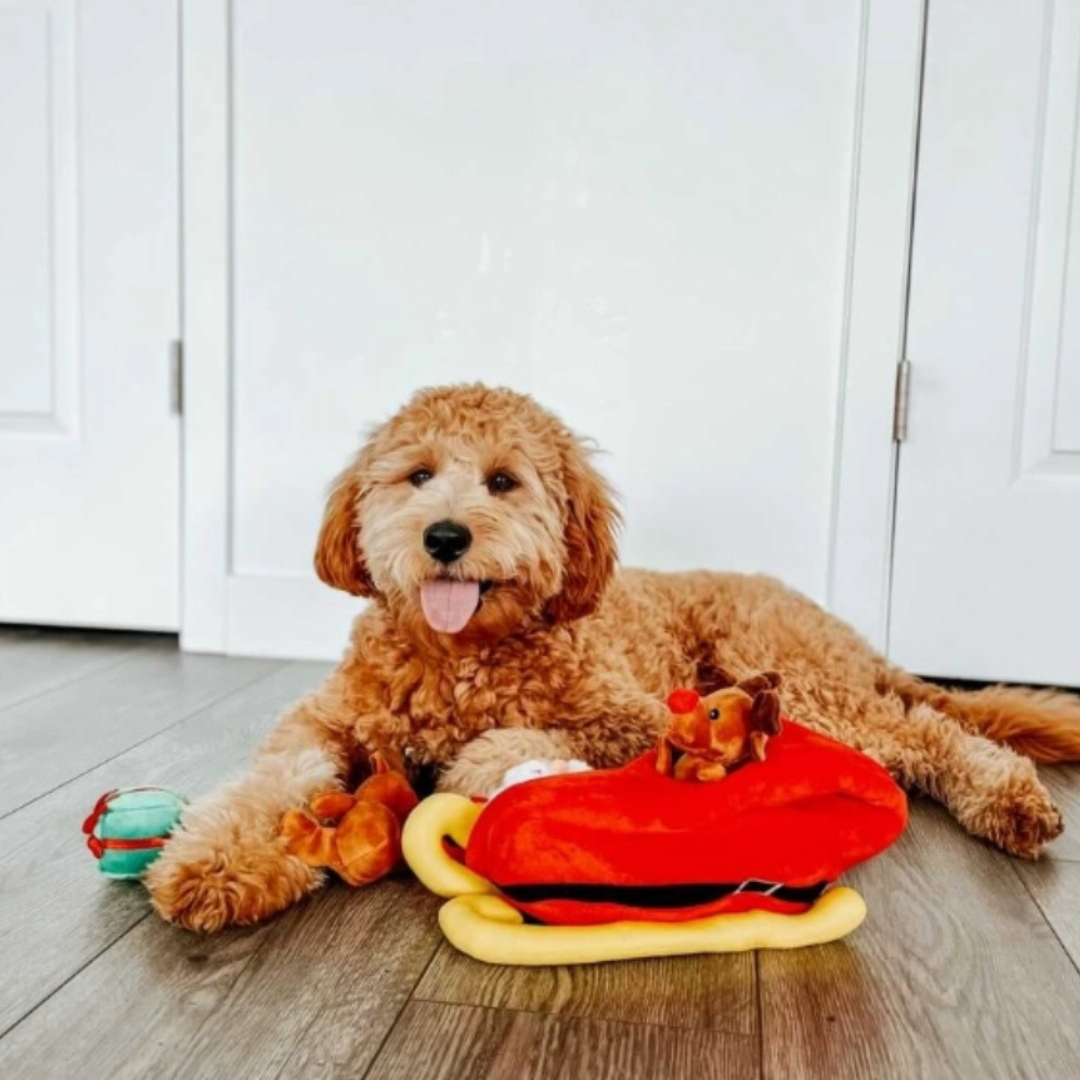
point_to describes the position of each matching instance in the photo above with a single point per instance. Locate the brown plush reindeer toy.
(708, 737)
(359, 835)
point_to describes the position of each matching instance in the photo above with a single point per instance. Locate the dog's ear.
(592, 522)
(765, 712)
(339, 560)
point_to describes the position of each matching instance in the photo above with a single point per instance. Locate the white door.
(643, 213)
(89, 301)
(987, 553)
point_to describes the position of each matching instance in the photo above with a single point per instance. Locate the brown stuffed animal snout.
(709, 736)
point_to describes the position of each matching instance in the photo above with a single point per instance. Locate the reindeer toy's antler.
(709, 736)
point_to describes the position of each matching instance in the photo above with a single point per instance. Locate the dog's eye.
(420, 477)
(499, 483)
(714, 714)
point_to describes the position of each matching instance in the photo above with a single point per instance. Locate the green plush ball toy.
(128, 827)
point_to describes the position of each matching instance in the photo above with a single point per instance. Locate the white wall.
(641, 213)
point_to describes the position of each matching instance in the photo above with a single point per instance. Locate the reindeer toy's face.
(709, 736)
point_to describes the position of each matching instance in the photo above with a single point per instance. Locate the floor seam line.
(582, 1017)
(1046, 919)
(72, 976)
(398, 1015)
(149, 738)
(116, 661)
(272, 932)
(759, 1002)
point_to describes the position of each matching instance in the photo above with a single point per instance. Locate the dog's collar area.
(662, 896)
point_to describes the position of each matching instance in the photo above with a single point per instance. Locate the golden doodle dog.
(499, 630)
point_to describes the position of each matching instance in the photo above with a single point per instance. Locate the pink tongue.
(449, 605)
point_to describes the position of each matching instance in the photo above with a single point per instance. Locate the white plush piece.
(535, 768)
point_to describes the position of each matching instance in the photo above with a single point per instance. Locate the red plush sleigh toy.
(637, 861)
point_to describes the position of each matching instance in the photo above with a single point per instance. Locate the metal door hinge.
(901, 399)
(176, 376)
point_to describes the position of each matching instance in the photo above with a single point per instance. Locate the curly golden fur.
(565, 647)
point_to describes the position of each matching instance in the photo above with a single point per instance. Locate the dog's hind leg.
(994, 792)
(991, 790)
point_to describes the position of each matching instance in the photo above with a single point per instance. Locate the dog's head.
(472, 511)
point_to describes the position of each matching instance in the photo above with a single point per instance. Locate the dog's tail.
(1044, 725)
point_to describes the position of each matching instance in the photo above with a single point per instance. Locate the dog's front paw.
(1019, 816)
(203, 885)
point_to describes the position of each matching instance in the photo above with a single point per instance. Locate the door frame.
(205, 133)
(859, 583)
(883, 159)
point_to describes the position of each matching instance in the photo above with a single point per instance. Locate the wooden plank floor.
(967, 965)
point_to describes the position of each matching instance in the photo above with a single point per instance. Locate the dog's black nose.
(446, 541)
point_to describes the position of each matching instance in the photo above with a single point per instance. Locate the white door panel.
(89, 282)
(986, 567)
